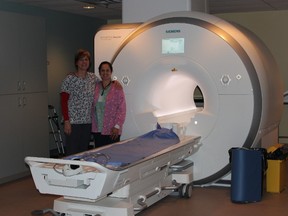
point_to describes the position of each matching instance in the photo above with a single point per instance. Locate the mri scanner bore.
(162, 62)
(165, 65)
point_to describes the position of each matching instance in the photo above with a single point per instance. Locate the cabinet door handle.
(23, 85)
(18, 86)
(24, 101)
(19, 101)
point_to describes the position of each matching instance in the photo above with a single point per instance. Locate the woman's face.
(83, 63)
(105, 72)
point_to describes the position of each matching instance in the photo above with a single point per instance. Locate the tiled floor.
(20, 198)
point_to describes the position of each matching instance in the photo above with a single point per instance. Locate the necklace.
(104, 88)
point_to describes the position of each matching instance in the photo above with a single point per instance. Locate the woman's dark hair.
(80, 54)
(105, 62)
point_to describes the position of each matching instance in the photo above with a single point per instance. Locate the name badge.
(101, 98)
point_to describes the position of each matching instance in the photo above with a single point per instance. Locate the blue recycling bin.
(248, 167)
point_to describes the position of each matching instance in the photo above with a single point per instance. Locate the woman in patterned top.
(109, 108)
(77, 92)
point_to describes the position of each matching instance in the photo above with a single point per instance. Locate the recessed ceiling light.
(88, 7)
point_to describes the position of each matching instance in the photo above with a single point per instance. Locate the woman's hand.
(67, 127)
(114, 133)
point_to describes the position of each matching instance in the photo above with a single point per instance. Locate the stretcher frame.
(92, 189)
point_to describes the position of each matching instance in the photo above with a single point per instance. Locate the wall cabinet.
(23, 93)
(23, 65)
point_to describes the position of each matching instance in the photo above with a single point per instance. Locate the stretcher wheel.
(185, 190)
(180, 191)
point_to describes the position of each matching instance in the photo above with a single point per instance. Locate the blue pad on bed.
(119, 155)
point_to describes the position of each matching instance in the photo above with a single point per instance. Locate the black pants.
(79, 139)
(102, 140)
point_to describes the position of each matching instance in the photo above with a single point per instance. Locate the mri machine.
(165, 65)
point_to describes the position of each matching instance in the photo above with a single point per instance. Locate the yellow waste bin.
(276, 176)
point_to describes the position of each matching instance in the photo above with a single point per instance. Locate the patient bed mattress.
(129, 152)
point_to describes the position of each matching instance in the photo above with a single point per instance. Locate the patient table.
(120, 179)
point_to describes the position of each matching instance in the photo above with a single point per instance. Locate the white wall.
(135, 11)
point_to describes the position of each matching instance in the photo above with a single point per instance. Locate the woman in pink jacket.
(109, 108)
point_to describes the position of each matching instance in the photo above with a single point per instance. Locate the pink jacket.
(115, 109)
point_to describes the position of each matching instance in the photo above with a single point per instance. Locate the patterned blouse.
(81, 93)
